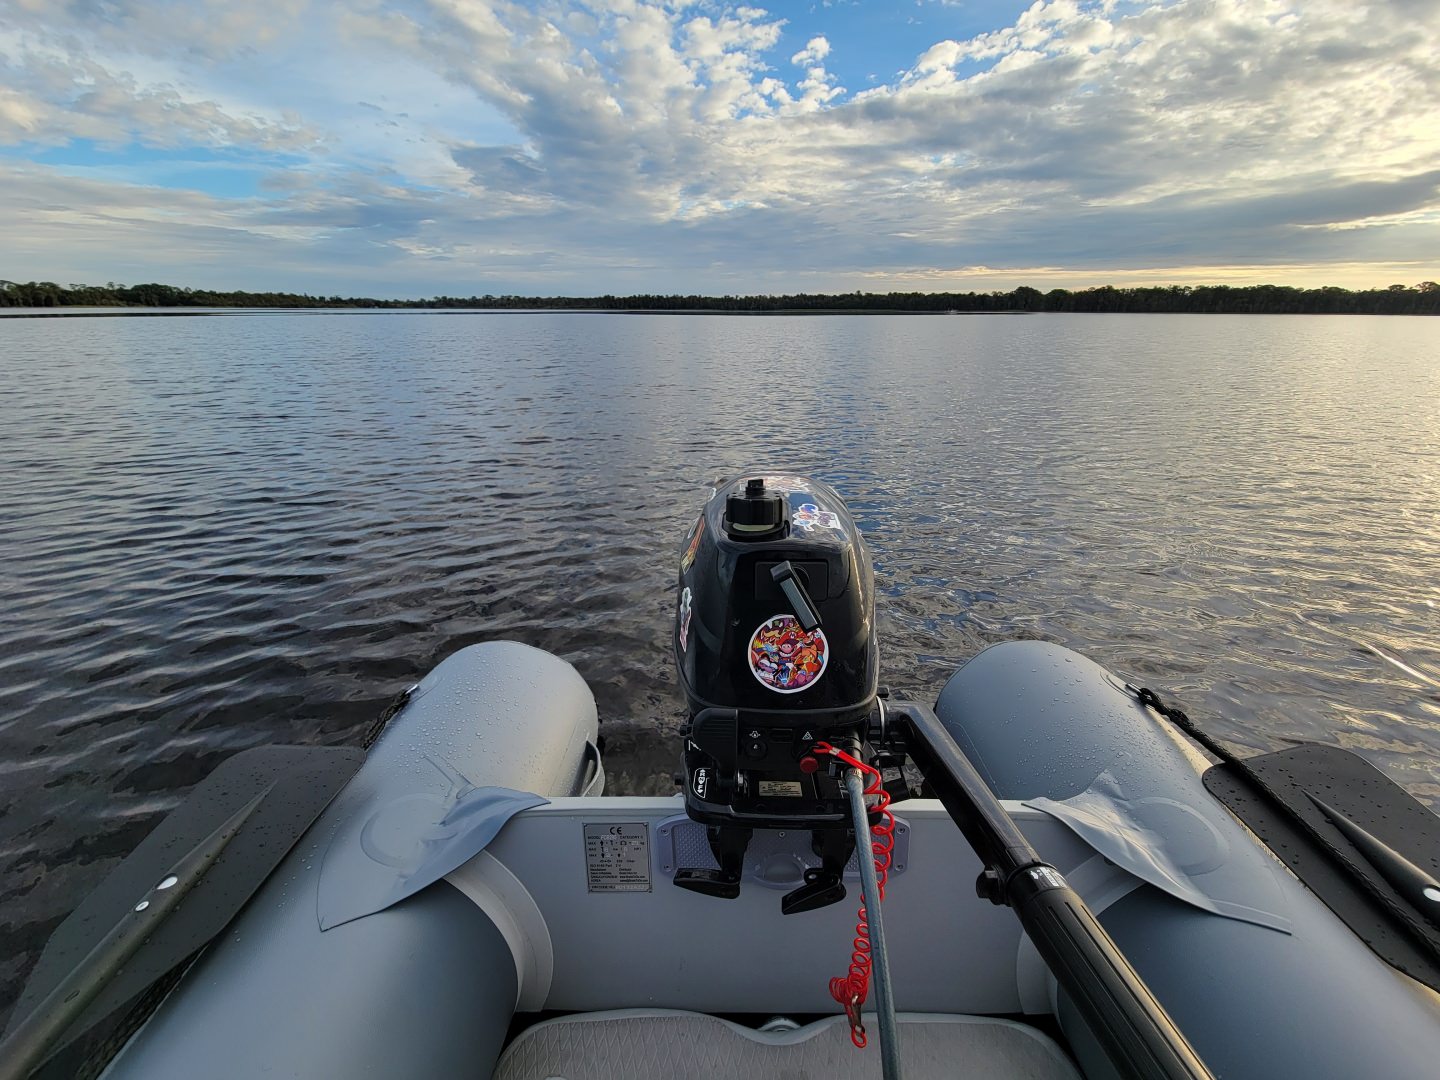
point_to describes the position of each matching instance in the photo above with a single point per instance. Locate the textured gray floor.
(657, 1045)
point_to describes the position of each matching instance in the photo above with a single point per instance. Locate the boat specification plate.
(617, 857)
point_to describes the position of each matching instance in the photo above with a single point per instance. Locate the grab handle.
(592, 772)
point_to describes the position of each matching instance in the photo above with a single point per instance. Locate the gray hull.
(354, 961)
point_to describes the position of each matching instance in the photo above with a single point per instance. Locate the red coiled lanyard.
(851, 989)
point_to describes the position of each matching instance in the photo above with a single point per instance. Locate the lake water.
(222, 532)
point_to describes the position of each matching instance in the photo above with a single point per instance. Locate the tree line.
(1421, 299)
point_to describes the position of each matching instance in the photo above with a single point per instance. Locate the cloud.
(164, 29)
(677, 146)
(51, 99)
(816, 49)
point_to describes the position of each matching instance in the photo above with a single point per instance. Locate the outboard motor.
(775, 642)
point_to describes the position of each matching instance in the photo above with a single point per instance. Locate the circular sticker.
(785, 658)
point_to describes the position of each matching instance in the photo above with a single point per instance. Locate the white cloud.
(816, 49)
(454, 136)
(112, 109)
(941, 56)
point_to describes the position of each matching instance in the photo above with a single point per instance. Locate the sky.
(412, 148)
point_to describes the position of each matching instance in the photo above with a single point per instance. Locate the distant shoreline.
(148, 312)
(140, 312)
(47, 299)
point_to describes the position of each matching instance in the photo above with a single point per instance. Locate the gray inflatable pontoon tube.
(427, 985)
(1263, 979)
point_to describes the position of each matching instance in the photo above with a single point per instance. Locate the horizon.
(115, 286)
(627, 147)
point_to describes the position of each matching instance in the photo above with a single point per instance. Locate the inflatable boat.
(1040, 875)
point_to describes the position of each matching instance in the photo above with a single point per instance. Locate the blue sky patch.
(226, 174)
(881, 39)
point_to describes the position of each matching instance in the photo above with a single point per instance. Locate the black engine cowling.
(775, 643)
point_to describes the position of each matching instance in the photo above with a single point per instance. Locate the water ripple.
(221, 533)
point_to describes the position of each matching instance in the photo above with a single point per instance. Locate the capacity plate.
(617, 857)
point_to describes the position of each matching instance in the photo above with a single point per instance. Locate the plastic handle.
(800, 603)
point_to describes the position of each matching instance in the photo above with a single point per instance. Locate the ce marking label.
(617, 857)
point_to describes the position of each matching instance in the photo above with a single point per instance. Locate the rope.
(377, 726)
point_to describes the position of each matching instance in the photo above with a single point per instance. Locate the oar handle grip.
(1106, 990)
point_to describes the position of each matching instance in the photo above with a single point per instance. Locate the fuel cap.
(756, 514)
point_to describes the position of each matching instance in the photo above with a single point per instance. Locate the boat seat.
(655, 1044)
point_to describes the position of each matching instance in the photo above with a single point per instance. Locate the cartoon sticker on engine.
(789, 484)
(683, 619)
(785, 658)
(688, 559)
(807, 516)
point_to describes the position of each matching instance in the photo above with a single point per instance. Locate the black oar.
(32, 1039)
(1409, 880)
(213, 851)
(1136, 1033)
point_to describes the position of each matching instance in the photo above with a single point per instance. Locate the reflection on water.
(225, 532)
